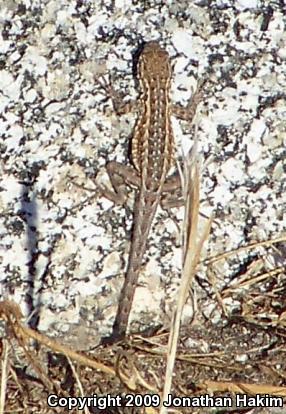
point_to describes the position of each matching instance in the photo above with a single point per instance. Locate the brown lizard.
(152, 157)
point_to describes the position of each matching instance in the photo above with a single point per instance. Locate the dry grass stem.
(250, 246)
(191, 254)
(4, 375)
(79, 384)
(12, 314)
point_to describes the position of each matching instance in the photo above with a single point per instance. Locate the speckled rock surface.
(63, 247)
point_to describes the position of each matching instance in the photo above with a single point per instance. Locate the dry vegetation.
(245, 352)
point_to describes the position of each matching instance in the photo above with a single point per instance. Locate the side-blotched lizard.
(152, 157)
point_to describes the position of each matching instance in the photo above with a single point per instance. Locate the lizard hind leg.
(172, 192)
(120, 175)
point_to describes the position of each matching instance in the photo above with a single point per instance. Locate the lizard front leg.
(188, 112)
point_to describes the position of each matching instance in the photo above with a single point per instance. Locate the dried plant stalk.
(192, 247)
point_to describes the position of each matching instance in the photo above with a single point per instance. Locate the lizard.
(152, 156)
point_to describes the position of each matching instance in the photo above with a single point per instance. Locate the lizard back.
(152, 143)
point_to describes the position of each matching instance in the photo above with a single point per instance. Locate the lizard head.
(154, 62)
